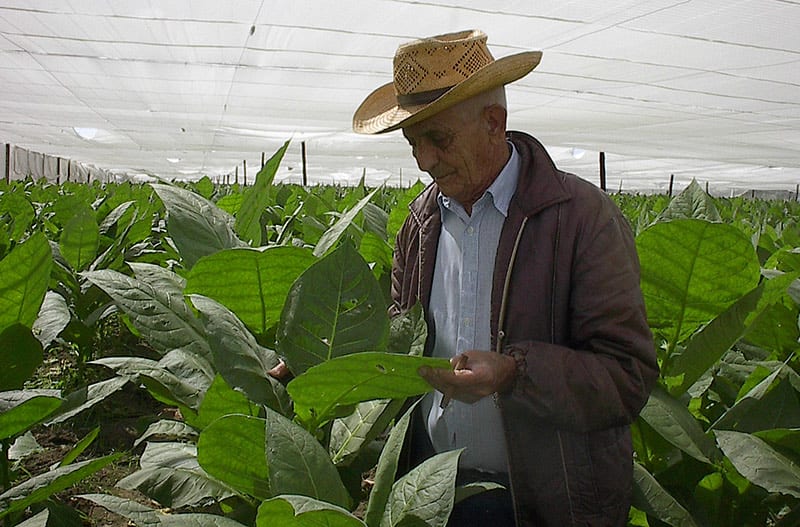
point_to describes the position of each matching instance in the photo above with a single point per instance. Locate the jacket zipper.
(499, 346)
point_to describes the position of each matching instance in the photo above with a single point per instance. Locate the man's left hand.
(476, 374)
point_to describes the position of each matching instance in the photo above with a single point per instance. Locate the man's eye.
(440, 140)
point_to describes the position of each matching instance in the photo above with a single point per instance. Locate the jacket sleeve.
(601, 375)
(398, 268)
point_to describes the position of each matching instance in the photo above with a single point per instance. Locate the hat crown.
(439, 62)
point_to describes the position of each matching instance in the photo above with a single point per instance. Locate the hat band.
(423, 97)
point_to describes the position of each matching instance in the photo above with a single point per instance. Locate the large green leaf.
(350, 434)
(80, 239)
(386, 470)
(670, 418)
(377, 252)
(196, 225)
(773, 325)
(375, 220)
(86, 397)
(54, 315)
(303, 511)
(141, 515)
(40, 487)
(649, 496)
(251, 283)
(349, 380)
(21, 409)
(38, 520)
(692, 202)
(241, 361)
(160, 314)
(248, 217)
(167, 428)
(169, 473)
(298, 464)
(144, 516)
(424, 496)
(233, 450)
(186, 387)
(220, 400)
(692, 270)
(760, 463)
(408, 332)
(787, 438)
(22, 212)
(336, 307)
(159, 278)
(205, 187)
(710, 343)
(24, 278)
(399, 212)
(332, 235)
(771, 403)
(20, 355)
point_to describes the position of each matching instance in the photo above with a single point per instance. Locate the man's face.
(453, 147)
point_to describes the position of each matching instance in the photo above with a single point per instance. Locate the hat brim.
(380, 112)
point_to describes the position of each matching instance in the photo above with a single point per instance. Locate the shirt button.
(470, 230)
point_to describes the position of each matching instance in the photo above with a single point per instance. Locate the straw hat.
(432, 74)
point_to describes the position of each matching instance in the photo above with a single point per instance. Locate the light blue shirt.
(460, 306)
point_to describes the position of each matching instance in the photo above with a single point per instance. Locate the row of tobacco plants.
(218, 283)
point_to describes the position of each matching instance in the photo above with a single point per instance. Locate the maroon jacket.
(566, 304)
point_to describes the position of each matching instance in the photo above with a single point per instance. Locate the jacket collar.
(540, 185)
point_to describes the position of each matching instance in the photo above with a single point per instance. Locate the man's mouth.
(442, 176)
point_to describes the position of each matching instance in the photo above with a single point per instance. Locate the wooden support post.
(58, 171)
(671, 181)
(603, 171)
(69, 170)
(263, 159)
(8, 163)
(796, 191)
(305, 172)
(236, 176)
(244, 171)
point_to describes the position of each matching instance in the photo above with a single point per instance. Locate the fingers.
(459, 362)
(475, 375)
(280, 371)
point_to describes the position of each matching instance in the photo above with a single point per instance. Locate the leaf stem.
(5, 478)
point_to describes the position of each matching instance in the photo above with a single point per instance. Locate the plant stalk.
(5, 476)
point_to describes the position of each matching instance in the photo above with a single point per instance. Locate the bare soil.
(122, 418)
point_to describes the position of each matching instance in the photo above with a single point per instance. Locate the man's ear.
(494, 119)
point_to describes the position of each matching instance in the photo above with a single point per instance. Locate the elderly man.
(530, 283)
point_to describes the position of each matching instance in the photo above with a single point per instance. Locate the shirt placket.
(468, 293)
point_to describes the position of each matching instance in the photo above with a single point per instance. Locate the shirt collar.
(502, 188)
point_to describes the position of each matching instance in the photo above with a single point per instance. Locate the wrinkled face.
(453, 146)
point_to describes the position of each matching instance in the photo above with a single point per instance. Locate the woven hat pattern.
(434, 64)
(432, 74)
